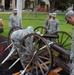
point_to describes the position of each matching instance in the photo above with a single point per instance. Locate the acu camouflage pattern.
(72, 56)
(14, 21)
(52, 25)
(16, 38)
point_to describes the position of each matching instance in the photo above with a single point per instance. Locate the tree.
(52, 4)
(59, 4)
(71, 1)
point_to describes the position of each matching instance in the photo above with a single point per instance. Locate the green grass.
(29, 19)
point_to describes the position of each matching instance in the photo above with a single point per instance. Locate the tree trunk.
(35, 8)
(52, 4)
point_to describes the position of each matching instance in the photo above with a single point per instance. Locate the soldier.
(14, 20)
(53, 24)
(70, 19)
(47, 20)
(16, 38)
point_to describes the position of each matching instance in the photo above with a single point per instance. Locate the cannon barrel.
(60, 49)
(50, 36)
(59, 61)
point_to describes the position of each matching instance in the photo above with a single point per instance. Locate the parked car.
(1, 25)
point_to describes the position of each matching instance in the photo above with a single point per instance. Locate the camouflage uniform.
(72, 56)
(72, 46)
(16, 38)
(67, 17)
(46, 23)
(53, 26)
(13, 21)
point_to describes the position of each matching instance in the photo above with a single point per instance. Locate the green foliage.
(71, 1)
(41, 3)
(62, 4)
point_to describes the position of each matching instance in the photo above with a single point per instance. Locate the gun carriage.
(40, 52)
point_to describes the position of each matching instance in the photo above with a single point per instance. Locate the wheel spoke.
(40, 68)
(65, 40)
(43, 63)
(36, 68)
(32, 67)
(25, 48)
(44, 58)
(67, 45)
(61, 38)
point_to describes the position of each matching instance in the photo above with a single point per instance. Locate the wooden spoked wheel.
(37, 55)
(41, 29)
(64, 40)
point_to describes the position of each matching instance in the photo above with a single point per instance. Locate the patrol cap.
(30, 28)
(54, 14)
(50, 14)
(15, 9)
(69, 14)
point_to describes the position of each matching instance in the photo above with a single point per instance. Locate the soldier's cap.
(15, 9)
(69, 14)
(30, 27)
(54, 14)
(50, 14)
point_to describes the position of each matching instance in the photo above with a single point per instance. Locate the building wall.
(12, 4)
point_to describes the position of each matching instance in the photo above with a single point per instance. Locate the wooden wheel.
(64, 40)
(36, 54)
(41, 29)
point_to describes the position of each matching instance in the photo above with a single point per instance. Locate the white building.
(11, 4)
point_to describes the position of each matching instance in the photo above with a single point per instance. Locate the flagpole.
(19, 9)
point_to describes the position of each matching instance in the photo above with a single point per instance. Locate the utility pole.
(19, 9)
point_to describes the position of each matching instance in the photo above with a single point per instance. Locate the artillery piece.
(40, 53)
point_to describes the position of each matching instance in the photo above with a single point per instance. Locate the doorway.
(7, 4)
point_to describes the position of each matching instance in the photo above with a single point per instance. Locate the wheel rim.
(64, 40)
(42, 60)
(41, 29)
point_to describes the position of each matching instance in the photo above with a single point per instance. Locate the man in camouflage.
(53, 24)
(47, 20)
(70, 19)
(14, 20)
(16, 39)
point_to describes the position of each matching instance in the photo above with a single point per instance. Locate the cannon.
(41, 53)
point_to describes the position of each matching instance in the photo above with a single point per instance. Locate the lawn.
(29, 19)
